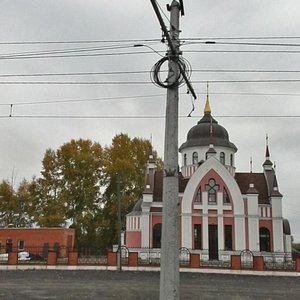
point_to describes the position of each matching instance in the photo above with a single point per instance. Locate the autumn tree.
(68, 192)
(15, 206)
(77, 189)
(127, 159)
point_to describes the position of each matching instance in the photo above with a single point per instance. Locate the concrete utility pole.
(169, 274)
(169, 261)
(119, 257)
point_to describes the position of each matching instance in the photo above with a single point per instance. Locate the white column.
(220, 221)
(145, 228)
(204, 221)
(277, 224)
(239, 228)
(253, 222)
(277, 235)
(186, 231)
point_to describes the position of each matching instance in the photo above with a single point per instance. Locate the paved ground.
(48, 284)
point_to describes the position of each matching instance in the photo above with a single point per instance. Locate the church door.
(213, 242)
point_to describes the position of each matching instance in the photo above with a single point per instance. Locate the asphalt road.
(47, 284)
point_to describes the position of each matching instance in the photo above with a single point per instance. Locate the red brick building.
(37, 240)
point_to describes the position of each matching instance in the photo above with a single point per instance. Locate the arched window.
(225, 197)
(195, 158)
(198, 198)
(264, 239)
(197, 236)
(222, 158)
(156, 236)
(184, 159)
(231, 160)
(212, 189)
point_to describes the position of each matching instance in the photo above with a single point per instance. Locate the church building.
(221, 211)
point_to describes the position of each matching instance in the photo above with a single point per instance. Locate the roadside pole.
(119, 253)
(177, 74)
(169, 274)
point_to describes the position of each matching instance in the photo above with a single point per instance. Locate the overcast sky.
(24, 138)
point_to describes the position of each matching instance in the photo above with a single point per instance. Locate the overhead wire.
(136, 97)
(142, 117)
(211, 42)
(77, 42)
(64, 51)
(39, 102)
(41, 42)
(78, 52)
(142, 82)
(143, 72)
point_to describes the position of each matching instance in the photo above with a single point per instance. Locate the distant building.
(37, 240)
(221, 211)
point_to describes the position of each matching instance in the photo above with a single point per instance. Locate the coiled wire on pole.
(183, 67)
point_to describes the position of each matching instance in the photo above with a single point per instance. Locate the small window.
(228, 237)
(212, 189)
(197, 236)
(156, 235)
(21, 245)
(198, 198)
(226, 199)
(9, 246)
(195, 158)
(231, 160)
(222, 158)
(264, 239)
(184, 159)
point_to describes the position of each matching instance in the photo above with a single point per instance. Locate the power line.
(75, 74)
(140, 82)
(241, 38)
(64, 51)
(244, 51)
(143, 72)
(144, 52)
(77, 42)
(81, 100)
(135, 97)
(79, 55)
(243, 44)
(144, 117)
(39, 42)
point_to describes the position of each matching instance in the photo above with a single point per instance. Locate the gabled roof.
(158, 185)
(260, 184)
(243, 180)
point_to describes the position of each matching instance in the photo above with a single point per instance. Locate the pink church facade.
(221, 212)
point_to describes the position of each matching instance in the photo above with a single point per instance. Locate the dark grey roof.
(200, 134)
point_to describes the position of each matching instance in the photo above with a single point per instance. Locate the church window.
(21, 245)
(222, 158)
(157, 235)
(195, 158)
(198, 198)
(9, 245)
(226, 199)
(184, 159)
(197, 236)
(228, 237)
(264, 239)
(212, 189)
(231, 160)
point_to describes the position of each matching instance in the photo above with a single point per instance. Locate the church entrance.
(213, 242)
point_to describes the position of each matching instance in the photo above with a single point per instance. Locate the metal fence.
(279, 261)
(246, 259)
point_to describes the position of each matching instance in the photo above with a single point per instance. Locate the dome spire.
(267, 164)
(207, 109)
